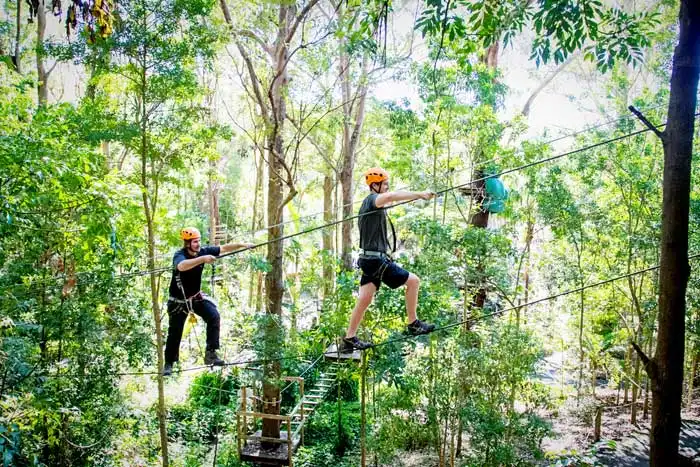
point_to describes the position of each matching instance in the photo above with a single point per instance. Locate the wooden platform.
(280, 451)
(331, 353)
(277, 454)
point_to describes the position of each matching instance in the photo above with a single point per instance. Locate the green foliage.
(69, 323)
(561, 28)
(323, 447)
(210, 390)
(210, 406)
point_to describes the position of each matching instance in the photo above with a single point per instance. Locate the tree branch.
(545, 83)
(251, 35)
(649, 364)
(255, 81)
(300, 17)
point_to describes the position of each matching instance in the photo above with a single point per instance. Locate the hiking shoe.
(168, 369)
(418, 327)
(353, 343)
(210, 358)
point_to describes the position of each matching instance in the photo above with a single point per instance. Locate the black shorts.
(378, 270)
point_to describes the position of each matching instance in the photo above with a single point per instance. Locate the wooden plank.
(267, 439)
(331, 353)
(277, 455)
(265, 415)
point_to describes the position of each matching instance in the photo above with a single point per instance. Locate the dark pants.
(177, 312)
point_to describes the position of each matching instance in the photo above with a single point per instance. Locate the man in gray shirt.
(375, 262)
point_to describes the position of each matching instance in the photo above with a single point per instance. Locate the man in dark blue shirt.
(186, 296)
(375, 260)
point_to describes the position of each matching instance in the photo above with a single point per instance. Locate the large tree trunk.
(272, 107)
(274, 282)
(666, 368)
(328, 217)
(214, 214)
(42, 75)
(479, 219)
(255, 287)
(691, 379)
(149, 211)
(353, 118)
(18, 38)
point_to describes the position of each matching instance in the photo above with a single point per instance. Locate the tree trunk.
(353, 118)
(635, 392)
(328, 217)
(490, 57)
(42, 75)
(255, 290)
(18, 37)
(691, 379)
(666, 368)
(214, 215)
(582, 309)
(149, 211)
(274, 281)
(628, 365)
(479, 219)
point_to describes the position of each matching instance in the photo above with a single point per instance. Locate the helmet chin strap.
(188, 246)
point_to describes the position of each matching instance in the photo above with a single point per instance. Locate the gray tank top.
(372, 224)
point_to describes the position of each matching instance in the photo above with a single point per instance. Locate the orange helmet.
(190, 233)
(375, 175)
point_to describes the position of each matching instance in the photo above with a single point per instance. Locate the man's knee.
(367, 291)
(412, 281)
(210, 313)
(214, 316)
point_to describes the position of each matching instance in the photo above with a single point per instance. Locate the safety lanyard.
(188, 301)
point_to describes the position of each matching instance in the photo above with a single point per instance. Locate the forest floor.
(622, 443)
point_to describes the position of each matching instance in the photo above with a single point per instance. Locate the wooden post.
(289, 438)
(598, 422)
(363, 420)
(244, 408)
(301, 402)
(340, 412)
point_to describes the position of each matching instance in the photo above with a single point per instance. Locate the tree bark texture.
(328, 262)
(666, 368)
(18, 38)
(149, 210)
(42, 75)
(353, 118)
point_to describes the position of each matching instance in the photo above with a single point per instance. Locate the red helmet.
(190, 233)
(375, 175)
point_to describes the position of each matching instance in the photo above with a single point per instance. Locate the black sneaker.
(168, 369)
(210, 358)
(353, 343)
(418, 327)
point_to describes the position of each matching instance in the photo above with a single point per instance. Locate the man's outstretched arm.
(391, 197)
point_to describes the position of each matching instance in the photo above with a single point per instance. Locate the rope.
(218, 416)
(456, 187)
(470, 168)
(390, 341)
(300, 375)
(194, 368)
(356, 216)
(528, 304)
